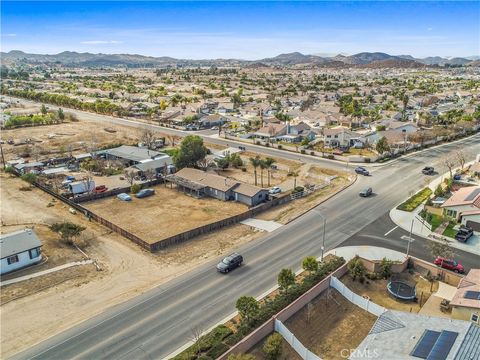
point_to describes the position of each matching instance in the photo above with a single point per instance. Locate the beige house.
(466, 301)
(464, 206)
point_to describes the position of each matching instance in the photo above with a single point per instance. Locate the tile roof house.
(466, 301)
(464, 206)
(272, 130)
(19, 249)
(200, 183)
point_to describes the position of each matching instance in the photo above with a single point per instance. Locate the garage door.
(474, 225)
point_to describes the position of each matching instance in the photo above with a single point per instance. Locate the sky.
(244, 30)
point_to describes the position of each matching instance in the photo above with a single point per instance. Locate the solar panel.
(472, 195)
(425, 344)
(475, 295)
(443, 345)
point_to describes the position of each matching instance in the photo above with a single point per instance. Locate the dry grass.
(164, 214)
(376, 290)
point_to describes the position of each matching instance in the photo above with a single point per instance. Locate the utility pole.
(3, 159)
(323, 238)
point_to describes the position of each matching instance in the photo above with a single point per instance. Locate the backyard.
(156, 217)
(327, 326)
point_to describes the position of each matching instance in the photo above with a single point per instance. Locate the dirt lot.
(156, 217)
(377, 291)
(328, 325)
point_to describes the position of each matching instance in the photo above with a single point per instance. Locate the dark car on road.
(463, 234)
(144, 193)
(230, 262)
(428, 170)
(449, 264)
(366, 192)
(362, 171)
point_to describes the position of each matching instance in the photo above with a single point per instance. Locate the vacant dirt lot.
(377, 291)
(166, 213)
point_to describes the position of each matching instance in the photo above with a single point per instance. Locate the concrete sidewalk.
(420, 228)
(44, 272)
(367, 252)
(262, 224)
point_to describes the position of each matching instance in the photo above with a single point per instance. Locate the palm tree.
(269, 162)
(294, 174)
(255, 163)
(263, 166)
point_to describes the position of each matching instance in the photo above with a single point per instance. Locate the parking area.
(166, 213)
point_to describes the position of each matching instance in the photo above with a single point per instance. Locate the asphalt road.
(156, 323)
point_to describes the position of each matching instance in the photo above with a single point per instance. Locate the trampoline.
(402, 290)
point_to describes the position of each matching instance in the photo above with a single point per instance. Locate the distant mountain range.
(364, 59)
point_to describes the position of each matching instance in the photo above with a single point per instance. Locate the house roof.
(18, 242)
(464, 196)
(396, 333)
(471, 282)
(271, 129)
(132, 153)
(206, 179)
(154, 164)
(248, 190)
(339, 130)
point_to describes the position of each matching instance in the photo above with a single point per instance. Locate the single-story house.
(131, 155)
(475, 169)
(213, 120)
(270, 131)
(464, 206)
(159, 165)
(466, 301)
(19, 249)
(199, 183)
(24, 168)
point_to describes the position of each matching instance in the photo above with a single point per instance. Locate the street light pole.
(323, 239)
(410, 238)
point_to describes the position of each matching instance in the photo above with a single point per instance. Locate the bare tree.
(172, 138)
(309, 313)
(195, 335)
(148, 138)
(460, 155)
(449, 164)
(130, 176)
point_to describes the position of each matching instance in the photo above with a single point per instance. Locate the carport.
(189, 187)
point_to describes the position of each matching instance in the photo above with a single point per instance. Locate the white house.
(339, 137)
(19, 249)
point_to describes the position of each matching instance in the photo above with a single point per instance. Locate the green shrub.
(10, 170)
(29, 177)
(272, 347)
(135, 188)
(356, 268)
(217, 349)
(367, 160)
(303, 151)
(298, 189)
(413, 202)
(280, 146)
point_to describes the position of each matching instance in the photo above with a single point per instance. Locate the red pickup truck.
(100, 189)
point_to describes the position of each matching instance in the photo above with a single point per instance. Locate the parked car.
(449, 264)
(428, 170)
(242, 148)
(71, 178)
(366, 192)
(362, 171)
(275, 190)
(230, 262)
(464, 233)
(100, 189)
(145, 193)
(457, 177)
(124, 197)
(215, 128)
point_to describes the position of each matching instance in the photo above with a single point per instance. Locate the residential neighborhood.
(237, 180)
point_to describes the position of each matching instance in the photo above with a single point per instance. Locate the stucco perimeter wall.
(269, 326)
(374, 266)
(447, 276)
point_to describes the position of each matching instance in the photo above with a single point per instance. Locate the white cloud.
(100, 42)
(10, 35)
(429, 29)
